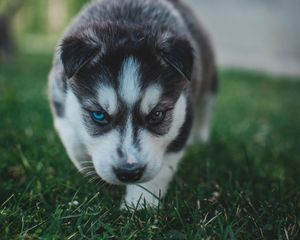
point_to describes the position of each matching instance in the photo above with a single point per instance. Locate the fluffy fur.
(147, 65)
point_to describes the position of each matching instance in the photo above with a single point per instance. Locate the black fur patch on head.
(109, 42)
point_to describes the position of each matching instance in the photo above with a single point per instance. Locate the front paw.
(140, 199)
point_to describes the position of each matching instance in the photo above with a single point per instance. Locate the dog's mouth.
(130, 173)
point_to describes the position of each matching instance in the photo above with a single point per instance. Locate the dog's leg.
(204, 119)
(149, 193)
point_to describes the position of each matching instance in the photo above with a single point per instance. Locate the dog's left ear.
(178, 53)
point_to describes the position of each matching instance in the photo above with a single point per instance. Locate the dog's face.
(128, 97)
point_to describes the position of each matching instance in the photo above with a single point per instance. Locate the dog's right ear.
(76, 53)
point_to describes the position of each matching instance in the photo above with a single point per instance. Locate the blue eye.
(100, 117)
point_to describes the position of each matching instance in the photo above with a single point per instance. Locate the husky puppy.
(131, 83)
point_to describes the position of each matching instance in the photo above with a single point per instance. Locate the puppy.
(132, 82)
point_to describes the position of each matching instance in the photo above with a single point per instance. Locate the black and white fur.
(130, 58)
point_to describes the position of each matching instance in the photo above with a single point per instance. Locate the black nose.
(129, 173)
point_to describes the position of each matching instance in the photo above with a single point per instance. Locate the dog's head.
(128, 85)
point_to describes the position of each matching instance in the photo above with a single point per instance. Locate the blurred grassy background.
(260, 35)
(36, 24)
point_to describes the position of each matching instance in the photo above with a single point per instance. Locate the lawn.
(244, 185)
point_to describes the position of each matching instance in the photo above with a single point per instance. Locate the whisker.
(89, 160)
(86, 164)
(90, 173)
(92, 180)
(86, 168)
(101, 183)
(86, 161)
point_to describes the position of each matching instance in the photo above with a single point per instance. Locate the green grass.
(244, 185)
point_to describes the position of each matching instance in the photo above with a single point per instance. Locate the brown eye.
(156, 117)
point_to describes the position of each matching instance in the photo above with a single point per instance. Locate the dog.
(132, 84)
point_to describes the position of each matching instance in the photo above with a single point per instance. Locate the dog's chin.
(150, 174)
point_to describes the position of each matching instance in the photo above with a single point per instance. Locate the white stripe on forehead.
(129, 78)
(128, 144)
(151, 98)
(108, 98)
